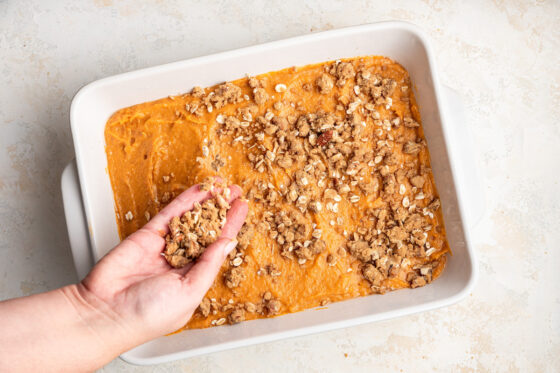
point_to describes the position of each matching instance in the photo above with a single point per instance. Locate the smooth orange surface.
(151, 140)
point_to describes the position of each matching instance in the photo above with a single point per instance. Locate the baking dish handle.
(462, 138)
(76, 220)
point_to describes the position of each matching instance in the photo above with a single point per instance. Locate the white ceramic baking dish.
(452, 164)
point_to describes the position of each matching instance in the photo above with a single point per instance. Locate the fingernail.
(230, 246)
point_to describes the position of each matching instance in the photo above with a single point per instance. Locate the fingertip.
(235, 218)
(240, 204)
(235, 192)
(229, 246)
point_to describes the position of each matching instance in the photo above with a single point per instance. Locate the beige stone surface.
(503, 58)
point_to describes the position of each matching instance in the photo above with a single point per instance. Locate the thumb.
(201, 276)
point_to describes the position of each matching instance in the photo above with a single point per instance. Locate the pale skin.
(131, 296)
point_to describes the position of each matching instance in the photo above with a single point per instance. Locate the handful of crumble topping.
(190, 234)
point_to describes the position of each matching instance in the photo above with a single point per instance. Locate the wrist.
(67, 329)
(110, 334)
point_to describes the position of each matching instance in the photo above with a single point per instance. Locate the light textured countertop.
(502, 56)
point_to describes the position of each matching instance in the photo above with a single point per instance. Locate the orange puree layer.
(155, 150)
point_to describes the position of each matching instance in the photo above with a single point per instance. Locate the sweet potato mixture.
(333, 161)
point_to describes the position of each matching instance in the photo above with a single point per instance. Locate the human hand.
(131, 296)
(143, 293)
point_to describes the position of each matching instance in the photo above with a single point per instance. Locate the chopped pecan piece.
(204, 307)
(260, 96)
(325, 84)
(412, 147)
(236, 316)
(245, 236)
(325, 138)
(233, 277)
(435, 204)
(372, 274)
(418, 181)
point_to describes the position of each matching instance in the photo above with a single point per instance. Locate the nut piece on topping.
(412, 148)
(227, 93)
(260, 96)
(315, 206)
(233, 277)
(204, 307)
(245, 236)
(197, 92)
(271, 306)
(411, 123)
(325, 84)
(343, 71)
(236, 316)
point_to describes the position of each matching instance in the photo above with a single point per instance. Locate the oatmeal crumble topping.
(233, 277)
(336, 172)
(329, 149)
(325, 84)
